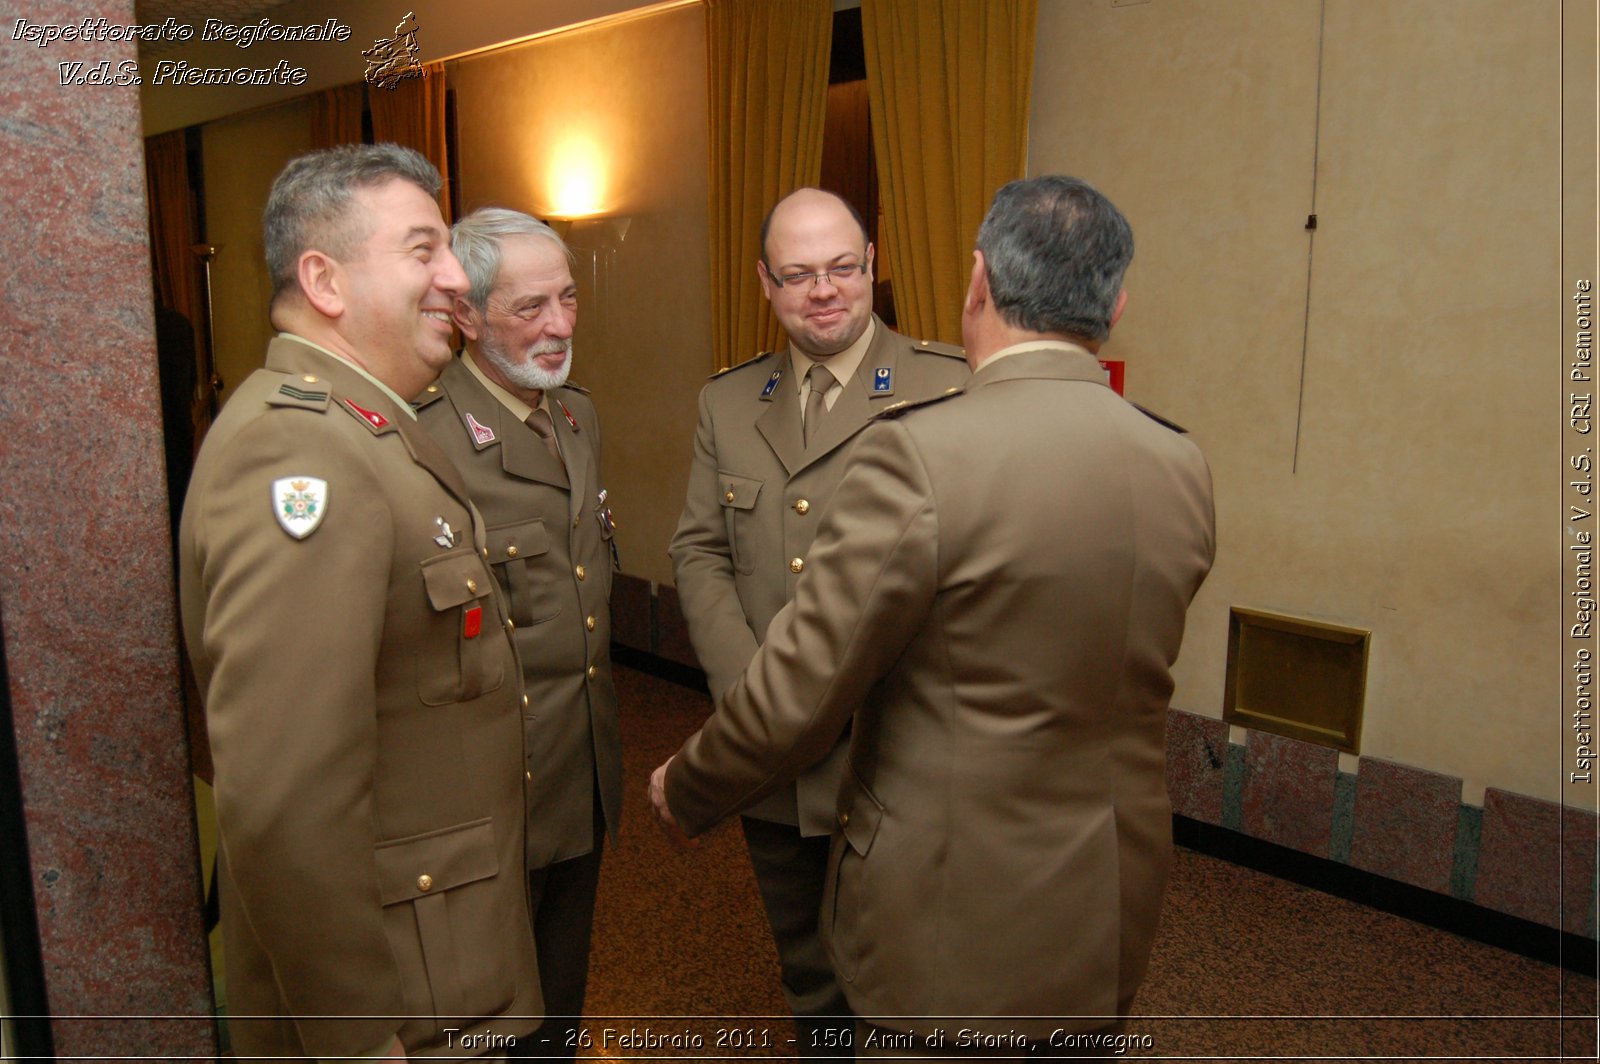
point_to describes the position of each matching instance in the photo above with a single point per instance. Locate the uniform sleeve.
(291, 634)
(702, 567)
(868, 589)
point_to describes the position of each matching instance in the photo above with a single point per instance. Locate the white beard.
(530, 374)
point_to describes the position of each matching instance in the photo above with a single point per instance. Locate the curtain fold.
(949, 82)
(172, 224)
(412, 114)
(336, 116)
(767, 66)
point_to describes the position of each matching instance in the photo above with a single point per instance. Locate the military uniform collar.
(402, 404)
(843, 365)
(516, 404)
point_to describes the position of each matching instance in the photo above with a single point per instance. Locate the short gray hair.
(1056, 251)
(311, 203)
(476, 241)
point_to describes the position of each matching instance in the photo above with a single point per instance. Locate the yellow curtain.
(412, 114)
(949, 82)
(336, 116)
(768, 70)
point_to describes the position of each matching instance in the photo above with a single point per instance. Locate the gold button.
(802, 507)
(588, 622)
(844, 820)
(524, 701)
(797, 565)
(593, 671)
(581, 571)
(511, 626)
(472, 585)
(424, 882)
(727, 497)
(486, 554)
(528, 776)
(432, 388)
(924, 343)
(511, 551)
(309, 379)
(576, 521)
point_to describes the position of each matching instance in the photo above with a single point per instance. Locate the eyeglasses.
(835, 276)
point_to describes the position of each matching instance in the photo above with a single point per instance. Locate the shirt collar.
(843, 366)
(517, 405)
(403, 404)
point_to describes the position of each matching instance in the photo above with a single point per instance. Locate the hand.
(396, 1050)
(658, 798)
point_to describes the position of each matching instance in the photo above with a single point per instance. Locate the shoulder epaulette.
(303, 391)
(905, 406)
(430, 395)
(1159, 420)
(747, 362)
(580, 389)
(936, 347)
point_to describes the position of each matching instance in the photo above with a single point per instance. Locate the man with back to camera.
(528, 444)
(770, 448)
(1003, 833)
(361, 687)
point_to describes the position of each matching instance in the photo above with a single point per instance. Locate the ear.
(768, 285)
(466, 317)
(1116, 312)
(871, 260)
(978, 286)
(320, 283)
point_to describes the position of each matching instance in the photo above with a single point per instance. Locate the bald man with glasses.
(774, 438)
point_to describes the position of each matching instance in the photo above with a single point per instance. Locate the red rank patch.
(371, 417)
(472, 622)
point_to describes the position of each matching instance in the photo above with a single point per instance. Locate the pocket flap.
(860, 812)
(521, 540)
(439, 860)
(455, 578)
(737, 493)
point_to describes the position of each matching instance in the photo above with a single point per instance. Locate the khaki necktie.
(539, 421)
(819, 379)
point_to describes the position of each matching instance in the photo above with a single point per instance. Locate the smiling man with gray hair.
(528, 444)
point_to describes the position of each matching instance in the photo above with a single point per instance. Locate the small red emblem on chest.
(471, 622)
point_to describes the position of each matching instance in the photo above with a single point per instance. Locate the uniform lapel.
(522, 453)
(780, 424)
(574, 446)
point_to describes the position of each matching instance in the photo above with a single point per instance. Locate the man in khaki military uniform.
(775, 436)
(997, 595)
(360, 683)
(528, 445)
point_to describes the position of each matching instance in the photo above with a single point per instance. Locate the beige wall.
(242, 156)
(1419, 503)
(620, 110)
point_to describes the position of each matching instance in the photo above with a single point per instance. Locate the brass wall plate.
(1295, 677)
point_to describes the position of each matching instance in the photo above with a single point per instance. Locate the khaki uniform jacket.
(1001, 587)
(550, 544)
(362, 695)
(756, 495)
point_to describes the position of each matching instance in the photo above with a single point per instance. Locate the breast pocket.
(465, 654)
(517, 551)
(447, 918)
(738, 498)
